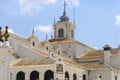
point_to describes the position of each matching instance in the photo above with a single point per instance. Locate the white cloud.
(45, 29)
(27, 6)
(117, 20)
(96, 47)
(73, 2)
(11, 31)
(24, 7)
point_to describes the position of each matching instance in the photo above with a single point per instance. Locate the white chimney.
(107, 54)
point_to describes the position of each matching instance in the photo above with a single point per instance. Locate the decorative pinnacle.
(1, 35)
(6, 34)
(33, 31)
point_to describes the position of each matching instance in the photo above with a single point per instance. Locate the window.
(49, 75)
(20, 76)
(115, 77)
(46, 48)
(58, 52)
(33, 43)
(100, 76)
(69, 56)
(34, 75)
(84, 77)
(74, 77)
(66, 75)
(60, 33)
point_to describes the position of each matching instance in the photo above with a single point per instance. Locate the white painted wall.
(115, 60)
(28, 69)
(105, 74)
(5, 60)
(107, 55)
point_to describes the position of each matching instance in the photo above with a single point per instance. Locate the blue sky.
(97, 21)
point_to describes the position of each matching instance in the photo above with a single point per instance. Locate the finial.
(64, 13)
(1, 34)
(64, 18)
(33, 31)
(6, 34)
(54, 20)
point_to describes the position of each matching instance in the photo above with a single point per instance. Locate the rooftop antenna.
(74, 16)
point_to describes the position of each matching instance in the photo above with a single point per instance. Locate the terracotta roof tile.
(33, 61)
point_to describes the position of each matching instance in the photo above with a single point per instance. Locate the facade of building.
(59, 58)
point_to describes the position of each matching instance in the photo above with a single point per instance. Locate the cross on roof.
(65, 7)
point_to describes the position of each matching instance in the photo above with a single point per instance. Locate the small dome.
(64, 18)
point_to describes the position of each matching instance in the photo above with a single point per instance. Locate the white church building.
(59, 58)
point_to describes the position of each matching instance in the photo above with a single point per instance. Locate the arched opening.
(34, 75)
(33, 43)
(47, 48)
(84, 77)
(74, 76)
(66, 75)
(60, 33)
(49, 75)
(20, 76)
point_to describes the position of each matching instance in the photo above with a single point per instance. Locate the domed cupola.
(64, 18)
(63, 28)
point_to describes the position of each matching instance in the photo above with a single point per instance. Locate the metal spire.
(64, 13)
(64, 18)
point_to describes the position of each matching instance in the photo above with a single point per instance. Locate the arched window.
(49, 75)
(74, 76)
(20, 76)
(46, 48)
(72, 33)
(33, 43)
(34, 75)
(66, 75)
(84, 77)
(60, 33)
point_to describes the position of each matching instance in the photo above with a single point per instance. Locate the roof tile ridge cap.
(18, 36)
(109, 66)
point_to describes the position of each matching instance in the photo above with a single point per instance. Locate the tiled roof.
(33, 61)
(69, 40)
(95, 65)
(39, 51)
(97, 53)
(35, 50)
(62, 40)
(14, 36)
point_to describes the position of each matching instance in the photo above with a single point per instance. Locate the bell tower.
(63, 28)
